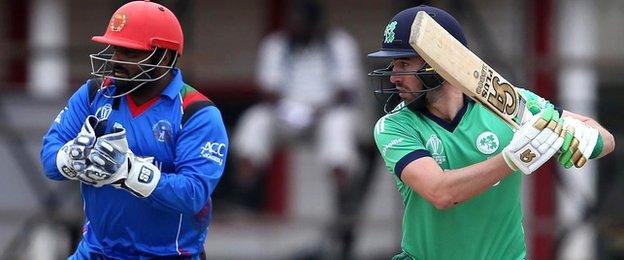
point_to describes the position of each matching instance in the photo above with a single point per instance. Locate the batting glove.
(535, 142)
(71, 159)
(581, 142)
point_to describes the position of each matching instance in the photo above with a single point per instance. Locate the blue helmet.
(395, 41)
(395, 45)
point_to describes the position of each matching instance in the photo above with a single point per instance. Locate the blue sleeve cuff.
(408, 158)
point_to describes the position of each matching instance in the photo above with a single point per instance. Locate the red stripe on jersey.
(137, 110)
(191, 97)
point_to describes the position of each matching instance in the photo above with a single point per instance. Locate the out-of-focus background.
(569, 51)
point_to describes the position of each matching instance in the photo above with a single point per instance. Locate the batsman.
(456, 164)
(146, 148)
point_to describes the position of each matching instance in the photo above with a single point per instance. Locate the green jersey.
(487, 226)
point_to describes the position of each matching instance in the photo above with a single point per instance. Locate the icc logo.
(103, 112)
(435, 147)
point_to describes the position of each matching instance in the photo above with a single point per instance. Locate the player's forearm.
(183, 193)
(464, 183)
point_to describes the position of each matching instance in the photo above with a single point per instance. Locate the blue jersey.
(187, 138)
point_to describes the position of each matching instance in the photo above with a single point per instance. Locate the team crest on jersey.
(435, 147)
(103, 112)
(162, 130)
(487, 142)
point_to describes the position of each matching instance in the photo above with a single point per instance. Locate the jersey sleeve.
(398, 146)
(65, 127)
(201, 150)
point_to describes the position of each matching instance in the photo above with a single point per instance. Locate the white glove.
(114, 163)
(579, 143)
(71, 159)
(108, 158)
(535, 142)
(142, 177)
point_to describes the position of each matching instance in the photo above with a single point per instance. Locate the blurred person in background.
(309, 79)
(146, 148)
(457, 165)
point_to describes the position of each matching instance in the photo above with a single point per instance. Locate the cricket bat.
(464, 70)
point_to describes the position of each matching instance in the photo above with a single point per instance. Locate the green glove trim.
(598, 148)
(565, 157)
(567, 140)
(533, 107)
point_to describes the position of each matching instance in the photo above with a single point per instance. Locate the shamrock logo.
(389, 32)
(487, 142)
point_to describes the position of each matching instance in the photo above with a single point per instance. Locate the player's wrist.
(509, 162)
(598, 148)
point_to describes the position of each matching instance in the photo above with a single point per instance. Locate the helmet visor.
(103, 64)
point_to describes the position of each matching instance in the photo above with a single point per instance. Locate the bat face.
(499, 95)
(465, 71)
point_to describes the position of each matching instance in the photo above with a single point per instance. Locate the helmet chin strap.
(408, 104)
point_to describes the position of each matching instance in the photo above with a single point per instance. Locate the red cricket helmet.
(143, 25)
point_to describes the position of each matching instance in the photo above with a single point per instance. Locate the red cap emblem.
(118, 21)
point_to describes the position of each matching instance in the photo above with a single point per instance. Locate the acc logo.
(118, 21)
(389, 32)
(213, 151)
(487, 142)
(435, 147)
(162, 130)
(103, 112)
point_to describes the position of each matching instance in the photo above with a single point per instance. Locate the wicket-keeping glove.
(71, 159)
(535, 142)
(107, 157)
(581, 142)
(114, 163)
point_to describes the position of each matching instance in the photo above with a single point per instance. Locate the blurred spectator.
(309, 75)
